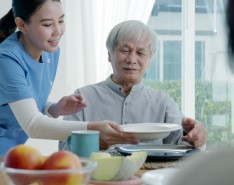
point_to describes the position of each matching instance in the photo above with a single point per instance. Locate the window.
(213, 81)
(172, 60)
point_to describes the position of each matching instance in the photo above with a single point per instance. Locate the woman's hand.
(111, 133)
(68, 105)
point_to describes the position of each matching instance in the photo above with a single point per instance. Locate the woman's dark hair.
(7, 25)
(230, 25)
(20, 8)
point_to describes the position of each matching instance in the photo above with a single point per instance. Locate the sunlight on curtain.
(87, 26)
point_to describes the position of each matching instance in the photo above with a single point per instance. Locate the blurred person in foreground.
(123, 98)
(230, 29)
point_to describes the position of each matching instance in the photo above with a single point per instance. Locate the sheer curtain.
(83, 52)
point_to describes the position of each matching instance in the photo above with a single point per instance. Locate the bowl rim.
(91, 165)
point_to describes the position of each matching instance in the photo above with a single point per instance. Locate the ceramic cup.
(84, 142)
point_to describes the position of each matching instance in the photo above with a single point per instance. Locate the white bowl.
(150, 131)
(159, 176)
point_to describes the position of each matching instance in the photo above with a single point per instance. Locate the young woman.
(28, 64)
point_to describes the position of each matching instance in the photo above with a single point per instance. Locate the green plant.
(205, 108)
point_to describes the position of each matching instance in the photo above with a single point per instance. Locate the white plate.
(150, 131)
(159, 176)
(134, 180)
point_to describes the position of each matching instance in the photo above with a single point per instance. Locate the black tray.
(159, 152)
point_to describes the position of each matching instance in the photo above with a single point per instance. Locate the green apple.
(105, 162)
(131, 165)
(98, 155)
(115, 168)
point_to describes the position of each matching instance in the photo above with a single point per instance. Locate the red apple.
(62, 160)
(23, 157)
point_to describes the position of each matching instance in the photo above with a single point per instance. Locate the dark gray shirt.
(106, 101)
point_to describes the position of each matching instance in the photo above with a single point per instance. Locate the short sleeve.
(13, 83)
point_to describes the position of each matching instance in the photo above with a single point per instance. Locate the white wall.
(5, 7)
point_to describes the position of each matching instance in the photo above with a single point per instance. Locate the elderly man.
(123, 98)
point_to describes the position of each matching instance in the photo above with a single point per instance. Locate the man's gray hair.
(132, 30)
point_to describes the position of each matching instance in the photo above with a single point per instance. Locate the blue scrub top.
(21, 77)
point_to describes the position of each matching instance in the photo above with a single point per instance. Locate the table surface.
(146, 167)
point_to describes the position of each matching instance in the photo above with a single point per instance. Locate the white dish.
(134, 180)
(150, 131)
(159, 176)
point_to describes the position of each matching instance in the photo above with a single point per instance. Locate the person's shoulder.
(92, 87)
(11, 45)
(154, 93)
(154, 90)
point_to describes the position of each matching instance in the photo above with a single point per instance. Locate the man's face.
(129, 61)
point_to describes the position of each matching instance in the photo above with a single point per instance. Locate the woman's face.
(130, 60)
(45, 27)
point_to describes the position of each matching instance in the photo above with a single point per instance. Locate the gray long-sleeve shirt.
(106, 101)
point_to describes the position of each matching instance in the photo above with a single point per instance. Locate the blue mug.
(83, 142)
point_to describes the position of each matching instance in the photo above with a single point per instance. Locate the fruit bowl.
(80, 176)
